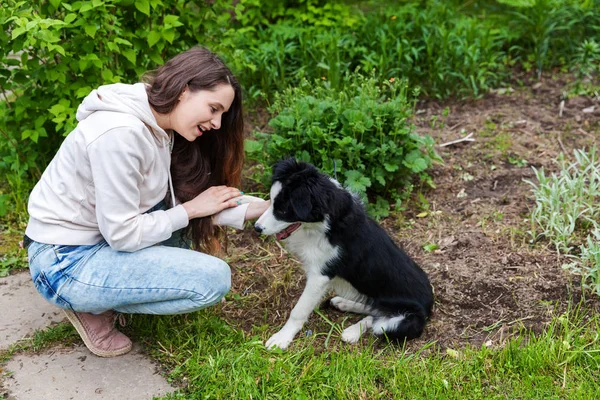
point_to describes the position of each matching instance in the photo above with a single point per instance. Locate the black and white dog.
(341, 248)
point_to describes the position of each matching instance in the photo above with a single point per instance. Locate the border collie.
(341, 248)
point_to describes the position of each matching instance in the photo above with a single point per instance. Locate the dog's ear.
(301, 203)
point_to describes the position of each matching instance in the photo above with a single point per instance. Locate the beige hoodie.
(109, 170)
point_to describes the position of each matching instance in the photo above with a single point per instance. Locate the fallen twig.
(467, 138)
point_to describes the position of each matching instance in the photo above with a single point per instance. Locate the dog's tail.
(399, 319)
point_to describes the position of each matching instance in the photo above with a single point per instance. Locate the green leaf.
(285, 122)
(123, 41)
(86, 7)
(83, 91)
(55, 3)
(430, 247)
(107, 75)
(304, 156)
(172, 20)
(155, 56)
(57, 109)
(70, 18)
(130, 55)
(143, 6)
(153, 38)
(391, 167)
(169, 35)
(356, 181)
(91, 30)
(253, 146)
(18, 32)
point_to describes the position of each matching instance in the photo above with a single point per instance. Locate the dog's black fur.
(390, 282)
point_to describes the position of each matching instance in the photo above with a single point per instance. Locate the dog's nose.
(258, 228)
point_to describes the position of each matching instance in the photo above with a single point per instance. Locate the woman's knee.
(223, 279)
(214, 285)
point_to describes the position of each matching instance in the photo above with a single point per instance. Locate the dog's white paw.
(280, 340)
(341, 303)
(352, 334)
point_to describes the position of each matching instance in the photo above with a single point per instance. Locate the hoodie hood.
(122, 98)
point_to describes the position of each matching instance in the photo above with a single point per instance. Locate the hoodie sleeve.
(236, 216)
(117, 159)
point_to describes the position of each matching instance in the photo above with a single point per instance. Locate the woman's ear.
(183, 92)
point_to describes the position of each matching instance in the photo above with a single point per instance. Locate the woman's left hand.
(256, 209)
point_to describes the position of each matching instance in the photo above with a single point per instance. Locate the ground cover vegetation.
(365, 92)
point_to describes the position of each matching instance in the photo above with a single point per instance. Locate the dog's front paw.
(352, 334)
(280, 340)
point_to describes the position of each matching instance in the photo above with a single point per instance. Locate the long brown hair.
(213, 159)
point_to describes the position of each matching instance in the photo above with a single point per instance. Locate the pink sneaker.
(99, 333)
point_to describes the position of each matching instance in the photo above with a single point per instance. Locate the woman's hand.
(256, 209)
(213, 200)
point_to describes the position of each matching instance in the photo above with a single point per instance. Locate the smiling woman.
(160, 163)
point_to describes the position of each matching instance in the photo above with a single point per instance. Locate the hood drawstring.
(169, 168)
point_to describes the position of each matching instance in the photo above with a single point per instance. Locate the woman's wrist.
(256, 209)
(191, 212)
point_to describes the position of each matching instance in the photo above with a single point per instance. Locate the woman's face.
(199, 112)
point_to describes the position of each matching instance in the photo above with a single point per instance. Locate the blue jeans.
(156, 280)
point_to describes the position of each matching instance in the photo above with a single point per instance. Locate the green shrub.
(567, 204)
(363, 134)
(53, 53)
(567, 212)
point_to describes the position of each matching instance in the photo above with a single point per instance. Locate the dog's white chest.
(312, 248)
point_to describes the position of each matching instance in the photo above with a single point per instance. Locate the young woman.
(150, 170)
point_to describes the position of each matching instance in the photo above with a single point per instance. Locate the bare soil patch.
(490, 281)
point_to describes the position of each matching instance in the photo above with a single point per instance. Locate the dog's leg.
(316, 287)
(346, 305)
(354, 332)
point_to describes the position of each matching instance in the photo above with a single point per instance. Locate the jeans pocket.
(47, 291)
(71, 257)
(35, 249)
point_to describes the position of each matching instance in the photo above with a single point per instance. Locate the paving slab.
(23, 309)
(59, 372)
(77, 374)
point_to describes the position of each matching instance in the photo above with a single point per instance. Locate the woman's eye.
(213, 110)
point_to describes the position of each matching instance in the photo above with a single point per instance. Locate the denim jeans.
(156, 280)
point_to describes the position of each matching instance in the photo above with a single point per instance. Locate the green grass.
(211, 359)
(41, 340)
(11, 255)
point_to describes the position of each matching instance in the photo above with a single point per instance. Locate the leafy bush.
(363, 134)
(567, 212)
(53, 53)
(567, 202)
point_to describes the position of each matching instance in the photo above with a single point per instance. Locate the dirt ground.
(489, 280)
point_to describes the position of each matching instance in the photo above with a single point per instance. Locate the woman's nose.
(216, 122)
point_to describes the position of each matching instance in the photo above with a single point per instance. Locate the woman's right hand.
(213, 200)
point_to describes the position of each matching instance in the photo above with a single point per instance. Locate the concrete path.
(59, 372)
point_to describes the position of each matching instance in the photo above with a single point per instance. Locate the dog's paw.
(280, 340)
(341, 303)
(352, 334)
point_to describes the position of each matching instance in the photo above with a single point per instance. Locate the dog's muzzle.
(258, 228)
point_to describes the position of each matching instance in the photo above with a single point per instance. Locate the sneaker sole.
(72, 317)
